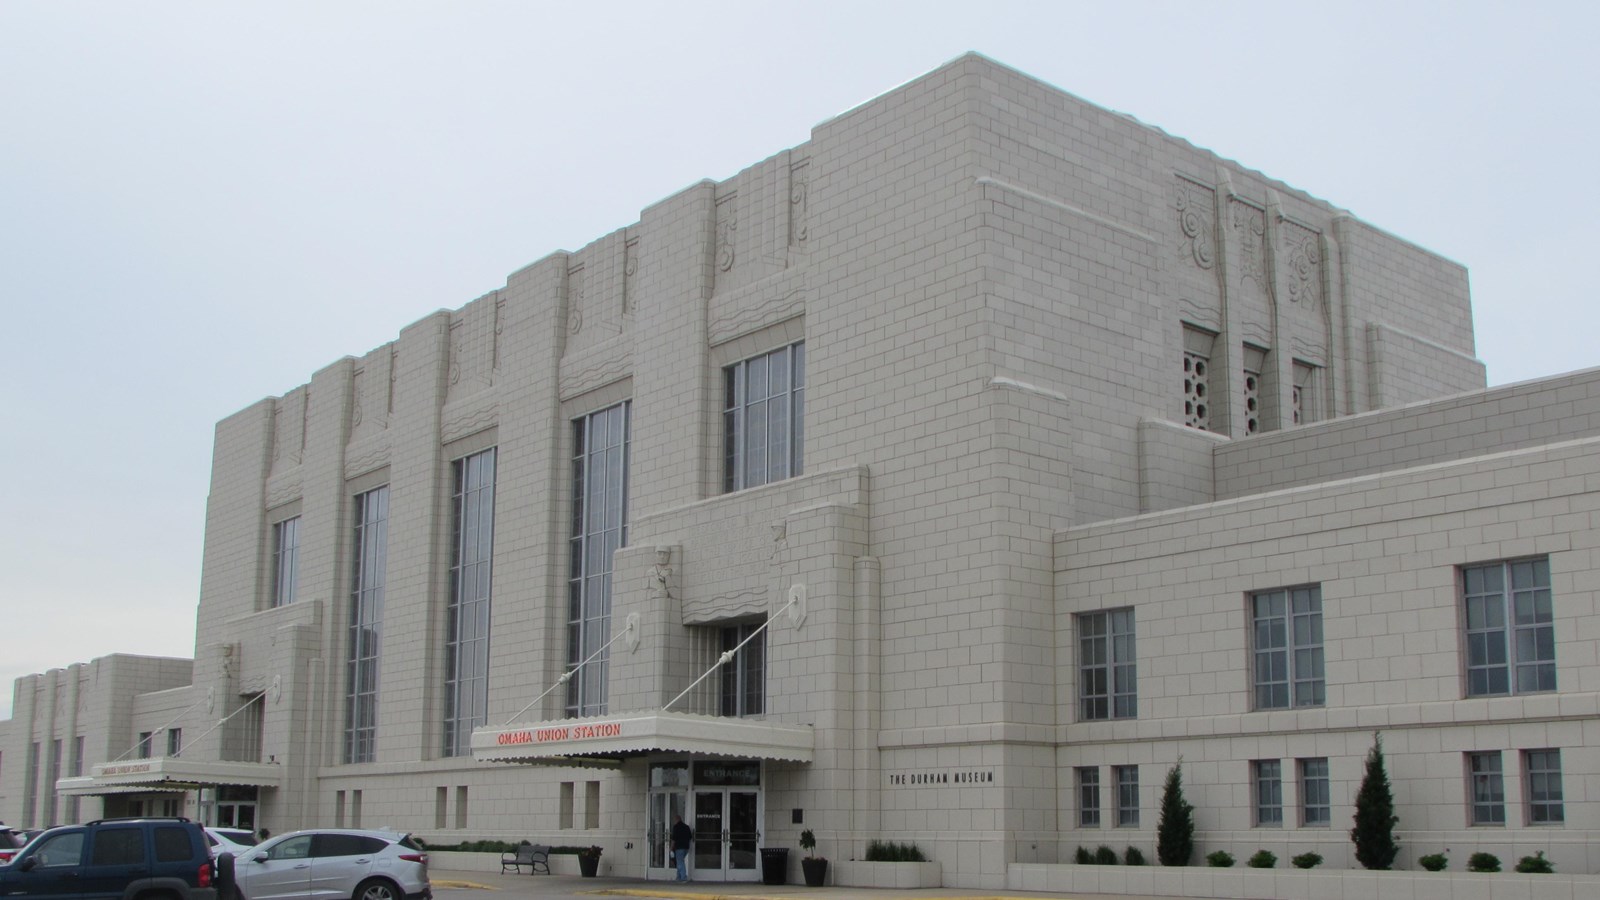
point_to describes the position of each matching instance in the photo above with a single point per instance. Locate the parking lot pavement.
(458, 885)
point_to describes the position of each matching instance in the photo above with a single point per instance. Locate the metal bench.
(534, 856)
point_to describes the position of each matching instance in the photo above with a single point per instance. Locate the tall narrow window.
(1268, 777)
(599, 527)
(174, 741)
(1088, 796)
(466, 690)
(1543, 776)
(52, 772)
(1107, 674)
(1488, 788)
(1288, 648)
(763, 418)
(285, 560)
(30, 785)
(146, 744)
(75, 768)
(1510, 625)
(1127, 795)
(363, 647)
(1315, 798)
(744, 680)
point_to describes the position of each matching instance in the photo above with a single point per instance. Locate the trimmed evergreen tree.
(1373, 834)
(1175, 830)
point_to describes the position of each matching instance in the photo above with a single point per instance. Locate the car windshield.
(247, 838)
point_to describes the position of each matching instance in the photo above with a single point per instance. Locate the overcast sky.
(203, 203)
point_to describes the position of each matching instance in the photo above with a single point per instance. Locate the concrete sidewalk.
(548, 887)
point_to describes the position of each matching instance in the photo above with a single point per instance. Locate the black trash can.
(774, 865)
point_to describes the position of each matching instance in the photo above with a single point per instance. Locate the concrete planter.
(1294, 884)
(855, 873)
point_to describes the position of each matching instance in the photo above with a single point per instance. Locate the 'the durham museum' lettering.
(952, 777)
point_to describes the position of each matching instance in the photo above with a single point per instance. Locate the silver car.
(332, 864)
(230, 840)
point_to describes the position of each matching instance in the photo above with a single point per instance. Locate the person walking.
(682, 837)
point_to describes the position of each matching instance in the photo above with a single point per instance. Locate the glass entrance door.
(663, 807)
(726, 834)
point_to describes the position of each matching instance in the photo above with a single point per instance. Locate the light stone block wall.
(1529, 414)
(1385, 551)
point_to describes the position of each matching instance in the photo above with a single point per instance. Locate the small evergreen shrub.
(1434, 862)
(889, 851)
(1219, 859)
(1175, 830)
(1373, 833)
(1262, 859)
(1535, 865)
(1083, 857)
(1105, 856)
(1307, 861)
(1133, 856)
(1483, 862)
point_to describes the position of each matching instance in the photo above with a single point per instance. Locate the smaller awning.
(173, 773)
(601, 739)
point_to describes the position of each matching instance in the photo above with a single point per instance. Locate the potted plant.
(815, 867)
(589, 861)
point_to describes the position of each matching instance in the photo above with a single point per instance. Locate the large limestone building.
(1001, 449)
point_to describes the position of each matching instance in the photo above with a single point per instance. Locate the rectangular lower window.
(1107, 672)
(1316, 807)
(1286, 640)
(1127, 778)
(1088, 778)
(1267, 774)
(1510, 628)
(744, 679)
(1487, 787)
(1542, 774)
(285, 560)
(764, 404)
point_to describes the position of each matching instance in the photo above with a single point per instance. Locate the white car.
(332, 864)
(237, 841)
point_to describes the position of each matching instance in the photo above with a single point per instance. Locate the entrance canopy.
(171, 773)
(601, 740)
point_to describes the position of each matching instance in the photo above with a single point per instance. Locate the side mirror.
(259, 857)
(29, 864)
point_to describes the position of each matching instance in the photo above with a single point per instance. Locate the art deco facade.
(1003, 449)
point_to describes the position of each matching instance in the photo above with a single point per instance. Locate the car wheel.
(376, 889)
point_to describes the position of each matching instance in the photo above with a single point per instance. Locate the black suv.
(119, 859)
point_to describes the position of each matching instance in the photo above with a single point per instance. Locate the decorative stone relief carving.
(630, 269)
(1251, 226)
(658, 582)
(727, 224)
(456, 328)
(575, 296)
(499, 327)
(799, 213)
(1196, 208)
(1303, 255)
